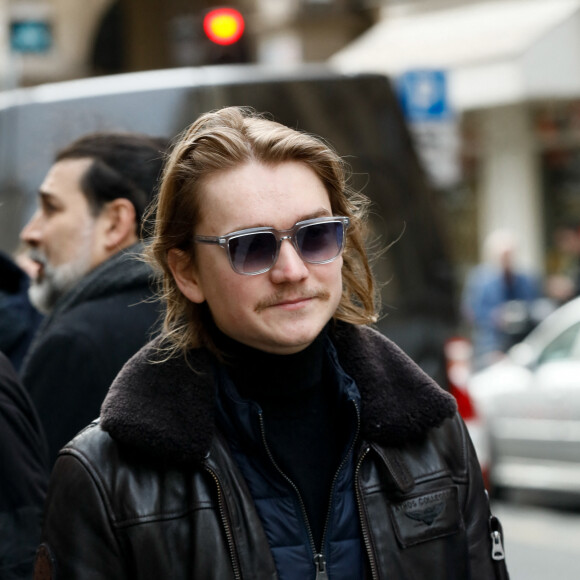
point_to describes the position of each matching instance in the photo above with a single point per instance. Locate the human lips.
(291, 302)
(40, 262)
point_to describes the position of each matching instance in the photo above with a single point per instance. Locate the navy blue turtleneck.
(301, 414)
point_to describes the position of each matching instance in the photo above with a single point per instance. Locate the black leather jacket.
(152, 491)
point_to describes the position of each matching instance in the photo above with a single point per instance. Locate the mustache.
(38, 256)
(280, 297)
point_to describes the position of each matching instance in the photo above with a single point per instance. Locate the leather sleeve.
(478, 518)
(78, 536)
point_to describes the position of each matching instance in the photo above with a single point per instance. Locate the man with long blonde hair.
(269, 432)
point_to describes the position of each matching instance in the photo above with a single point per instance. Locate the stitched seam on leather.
(397, 468)
(434, 475)
(122, 523)
(99, 483)
(150, 518)
(464, 447)
(84, 460)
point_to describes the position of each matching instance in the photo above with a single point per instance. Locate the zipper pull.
(497, 552)
(320, 564)
(497, 549)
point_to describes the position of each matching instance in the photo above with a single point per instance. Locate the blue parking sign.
(30, 36)
(423, 95)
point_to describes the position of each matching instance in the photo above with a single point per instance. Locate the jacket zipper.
(226, 525)
(320, 564)
(495, 531)
(362, 518)
(497, 551)
(319, 559)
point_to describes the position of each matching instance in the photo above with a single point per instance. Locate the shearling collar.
(166, 410)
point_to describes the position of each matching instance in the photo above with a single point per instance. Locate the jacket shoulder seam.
(95, 476)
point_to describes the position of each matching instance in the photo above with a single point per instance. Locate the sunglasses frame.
(280, 236)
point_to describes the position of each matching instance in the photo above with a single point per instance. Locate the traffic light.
(224, 26)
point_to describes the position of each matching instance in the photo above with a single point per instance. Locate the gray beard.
(56, 281)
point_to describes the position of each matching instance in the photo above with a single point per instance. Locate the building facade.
(513, 80)
(110, 36)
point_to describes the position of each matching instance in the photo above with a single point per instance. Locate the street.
(540, 542)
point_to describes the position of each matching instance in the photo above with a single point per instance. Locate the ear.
(119, 225)
(185, 275)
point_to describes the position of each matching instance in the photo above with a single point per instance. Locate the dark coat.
(18, 318)
(80, 347)
(152, 491)
(23, 476)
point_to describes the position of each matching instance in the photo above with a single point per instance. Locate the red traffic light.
(223, 25)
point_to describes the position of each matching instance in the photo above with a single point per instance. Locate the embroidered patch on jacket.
(425, 517)
(44, 568)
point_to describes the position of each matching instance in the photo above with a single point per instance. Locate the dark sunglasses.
(255, 250)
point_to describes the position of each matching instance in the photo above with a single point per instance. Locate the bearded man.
(84, 237)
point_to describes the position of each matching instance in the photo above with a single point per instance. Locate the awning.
(495, 52)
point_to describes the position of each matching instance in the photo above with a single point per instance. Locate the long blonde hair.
(224, 139)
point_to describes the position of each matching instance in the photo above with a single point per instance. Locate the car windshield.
(562, 347)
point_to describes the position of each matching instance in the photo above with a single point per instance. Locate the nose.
(289, 266)
(31, 233)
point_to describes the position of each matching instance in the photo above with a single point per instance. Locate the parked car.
(530, 402)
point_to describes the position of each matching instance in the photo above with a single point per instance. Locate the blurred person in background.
(269, 432)
(95, 292)
(19, 319)
(564, 284)
(23, 476)
(499, 302)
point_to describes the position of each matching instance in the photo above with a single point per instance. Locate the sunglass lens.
(252, 253)
(320, 242)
